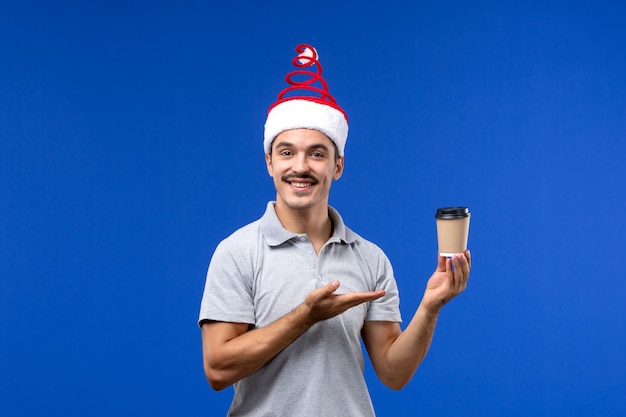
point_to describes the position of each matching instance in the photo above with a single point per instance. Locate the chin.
(299, 204)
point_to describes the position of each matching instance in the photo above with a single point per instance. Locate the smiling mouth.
(300, 182)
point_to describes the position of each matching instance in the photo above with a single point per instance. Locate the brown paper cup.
(452, 230)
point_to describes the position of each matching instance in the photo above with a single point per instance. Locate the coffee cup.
(452, 230)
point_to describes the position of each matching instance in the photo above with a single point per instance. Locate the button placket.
(307, 247)
(319, 280)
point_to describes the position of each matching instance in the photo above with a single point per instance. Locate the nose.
(300, 163)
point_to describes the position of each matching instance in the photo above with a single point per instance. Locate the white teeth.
(300, 184)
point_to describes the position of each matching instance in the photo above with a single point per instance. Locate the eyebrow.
(285, 144)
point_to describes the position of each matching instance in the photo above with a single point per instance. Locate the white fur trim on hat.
(306, 114)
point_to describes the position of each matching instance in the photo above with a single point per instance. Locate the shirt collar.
(275, 234)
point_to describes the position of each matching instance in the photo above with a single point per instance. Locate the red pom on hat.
(311, 106)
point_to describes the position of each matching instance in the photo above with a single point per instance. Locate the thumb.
(322, 292)
(330, 288)
(441, 263)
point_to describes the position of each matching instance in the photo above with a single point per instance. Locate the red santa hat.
(311, 106)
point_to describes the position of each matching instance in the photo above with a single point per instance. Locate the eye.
(285, 152)
(317, 154)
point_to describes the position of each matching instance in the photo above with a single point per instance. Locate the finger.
(461, 270)
(366, 296)
(468, 255)
(456, 268)
(465, 266)
(355, 298)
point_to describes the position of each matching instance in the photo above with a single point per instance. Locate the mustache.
(303, 176)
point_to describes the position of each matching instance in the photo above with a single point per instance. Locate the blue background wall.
(130, 145)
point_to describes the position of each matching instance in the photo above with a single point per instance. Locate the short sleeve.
(386, 308)
(228, 288)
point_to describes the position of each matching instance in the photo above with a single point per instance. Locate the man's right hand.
(323, 303)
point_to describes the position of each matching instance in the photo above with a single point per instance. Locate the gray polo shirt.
(262, 272)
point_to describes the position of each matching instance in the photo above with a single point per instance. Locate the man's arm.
(396, 354)
(230, 352)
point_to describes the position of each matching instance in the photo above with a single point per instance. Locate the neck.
(314, 222)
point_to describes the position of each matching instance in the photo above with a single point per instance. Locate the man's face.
(303, 164)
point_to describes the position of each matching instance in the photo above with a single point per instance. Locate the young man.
(288, 298)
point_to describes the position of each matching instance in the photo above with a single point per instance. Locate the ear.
(338, 168)
(268, 162)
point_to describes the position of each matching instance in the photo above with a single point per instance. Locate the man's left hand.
(448, 280)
